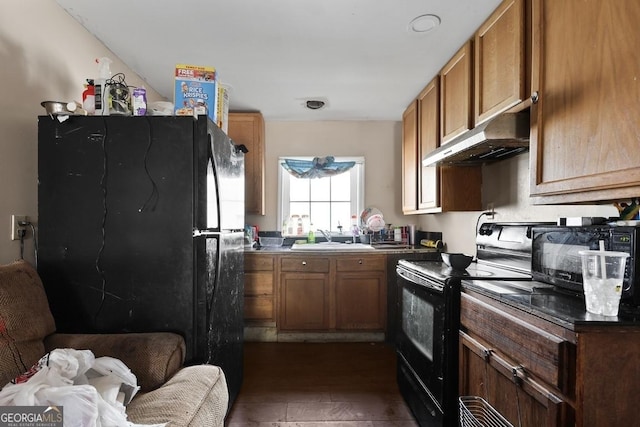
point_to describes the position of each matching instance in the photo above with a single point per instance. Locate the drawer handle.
(360, 261)
(304, 262)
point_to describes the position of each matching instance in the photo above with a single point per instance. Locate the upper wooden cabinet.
(428, 140)
(456, 90)
(248, 129)
(433, 189)
(585, 139)
(500, 61)
(410, 158)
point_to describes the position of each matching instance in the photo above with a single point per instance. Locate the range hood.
(504, 136)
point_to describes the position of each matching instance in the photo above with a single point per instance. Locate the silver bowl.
(63, 108)
(457, 261)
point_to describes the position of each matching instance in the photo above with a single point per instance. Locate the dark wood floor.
(319, 385)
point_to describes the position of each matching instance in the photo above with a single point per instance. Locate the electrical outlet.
(15, 225)
(490, 208)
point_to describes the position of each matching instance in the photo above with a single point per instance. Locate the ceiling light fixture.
(424, 24)
(314, 104)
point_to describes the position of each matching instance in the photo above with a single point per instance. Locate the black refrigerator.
(140, 228)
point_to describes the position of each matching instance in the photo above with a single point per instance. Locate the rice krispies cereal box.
(196, 91)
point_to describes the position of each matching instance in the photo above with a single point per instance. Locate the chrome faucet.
(326, 234)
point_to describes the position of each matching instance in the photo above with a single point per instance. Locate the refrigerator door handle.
(198, 233)
(240, 148)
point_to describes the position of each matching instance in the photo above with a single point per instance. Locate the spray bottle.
(101, 91)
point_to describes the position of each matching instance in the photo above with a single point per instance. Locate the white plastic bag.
(92, 391)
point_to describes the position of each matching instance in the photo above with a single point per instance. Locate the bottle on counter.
(292, 224)
(306, 222)
(355, 230)
(299, 228)
(397, 234)
(311, 237)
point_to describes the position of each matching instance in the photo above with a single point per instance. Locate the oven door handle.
(421, 281)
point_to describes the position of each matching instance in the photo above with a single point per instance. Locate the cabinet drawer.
(305, 264)
(258, 262)
(543, 354)
(361, 263)
(258, 308)
(258, 283)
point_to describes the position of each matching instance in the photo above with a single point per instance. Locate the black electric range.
(503, 252)
(429, 316)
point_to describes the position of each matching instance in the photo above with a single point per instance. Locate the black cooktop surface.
(554, 304)
(477, 270)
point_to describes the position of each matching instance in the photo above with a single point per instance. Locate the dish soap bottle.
(311, 238)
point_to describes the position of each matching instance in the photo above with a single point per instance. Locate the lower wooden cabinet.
(361, 292)
(538, 373)
(486, 373)
(522, 370)
(316, 292)
(259, 285)
(304, 293)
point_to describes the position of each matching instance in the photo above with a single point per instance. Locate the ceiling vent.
(315, 104)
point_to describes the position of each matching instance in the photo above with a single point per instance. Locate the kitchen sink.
(332, 246)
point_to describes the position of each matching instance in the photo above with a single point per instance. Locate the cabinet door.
(455, 87)
(304, 303)
(410, 158)
(361, 301)
(259, 288)
(584, 142)
(499, 61)
(361, 294)
(428, 140)
(248, 129)
(522, 400)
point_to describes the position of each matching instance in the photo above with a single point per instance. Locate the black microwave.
(555, 258)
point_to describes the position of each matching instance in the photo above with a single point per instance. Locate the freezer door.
(225, 182)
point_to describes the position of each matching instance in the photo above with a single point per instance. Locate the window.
(327, 202)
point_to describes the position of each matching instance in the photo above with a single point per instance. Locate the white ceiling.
(357, 55)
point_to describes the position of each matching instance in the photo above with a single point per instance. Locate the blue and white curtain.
(319, 167)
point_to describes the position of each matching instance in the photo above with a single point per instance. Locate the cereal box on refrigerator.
(223, 108)
(196, 91)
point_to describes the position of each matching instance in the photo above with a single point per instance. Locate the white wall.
(378, 142)
(506, 184)
(44, 55)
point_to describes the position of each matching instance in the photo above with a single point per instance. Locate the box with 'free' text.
(196, 91)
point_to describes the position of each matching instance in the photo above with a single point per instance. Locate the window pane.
(299, 208)
(321, 215)
(320, 189)
(299, 189)
(340, 214)
(341, 187)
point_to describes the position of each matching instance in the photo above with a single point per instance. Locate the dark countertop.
(553, 305)
(384, 249)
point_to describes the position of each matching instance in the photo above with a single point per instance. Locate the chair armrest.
(153, 357)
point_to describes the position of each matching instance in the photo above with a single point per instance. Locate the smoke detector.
(424, 24)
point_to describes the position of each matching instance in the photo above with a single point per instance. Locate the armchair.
(169, 392)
